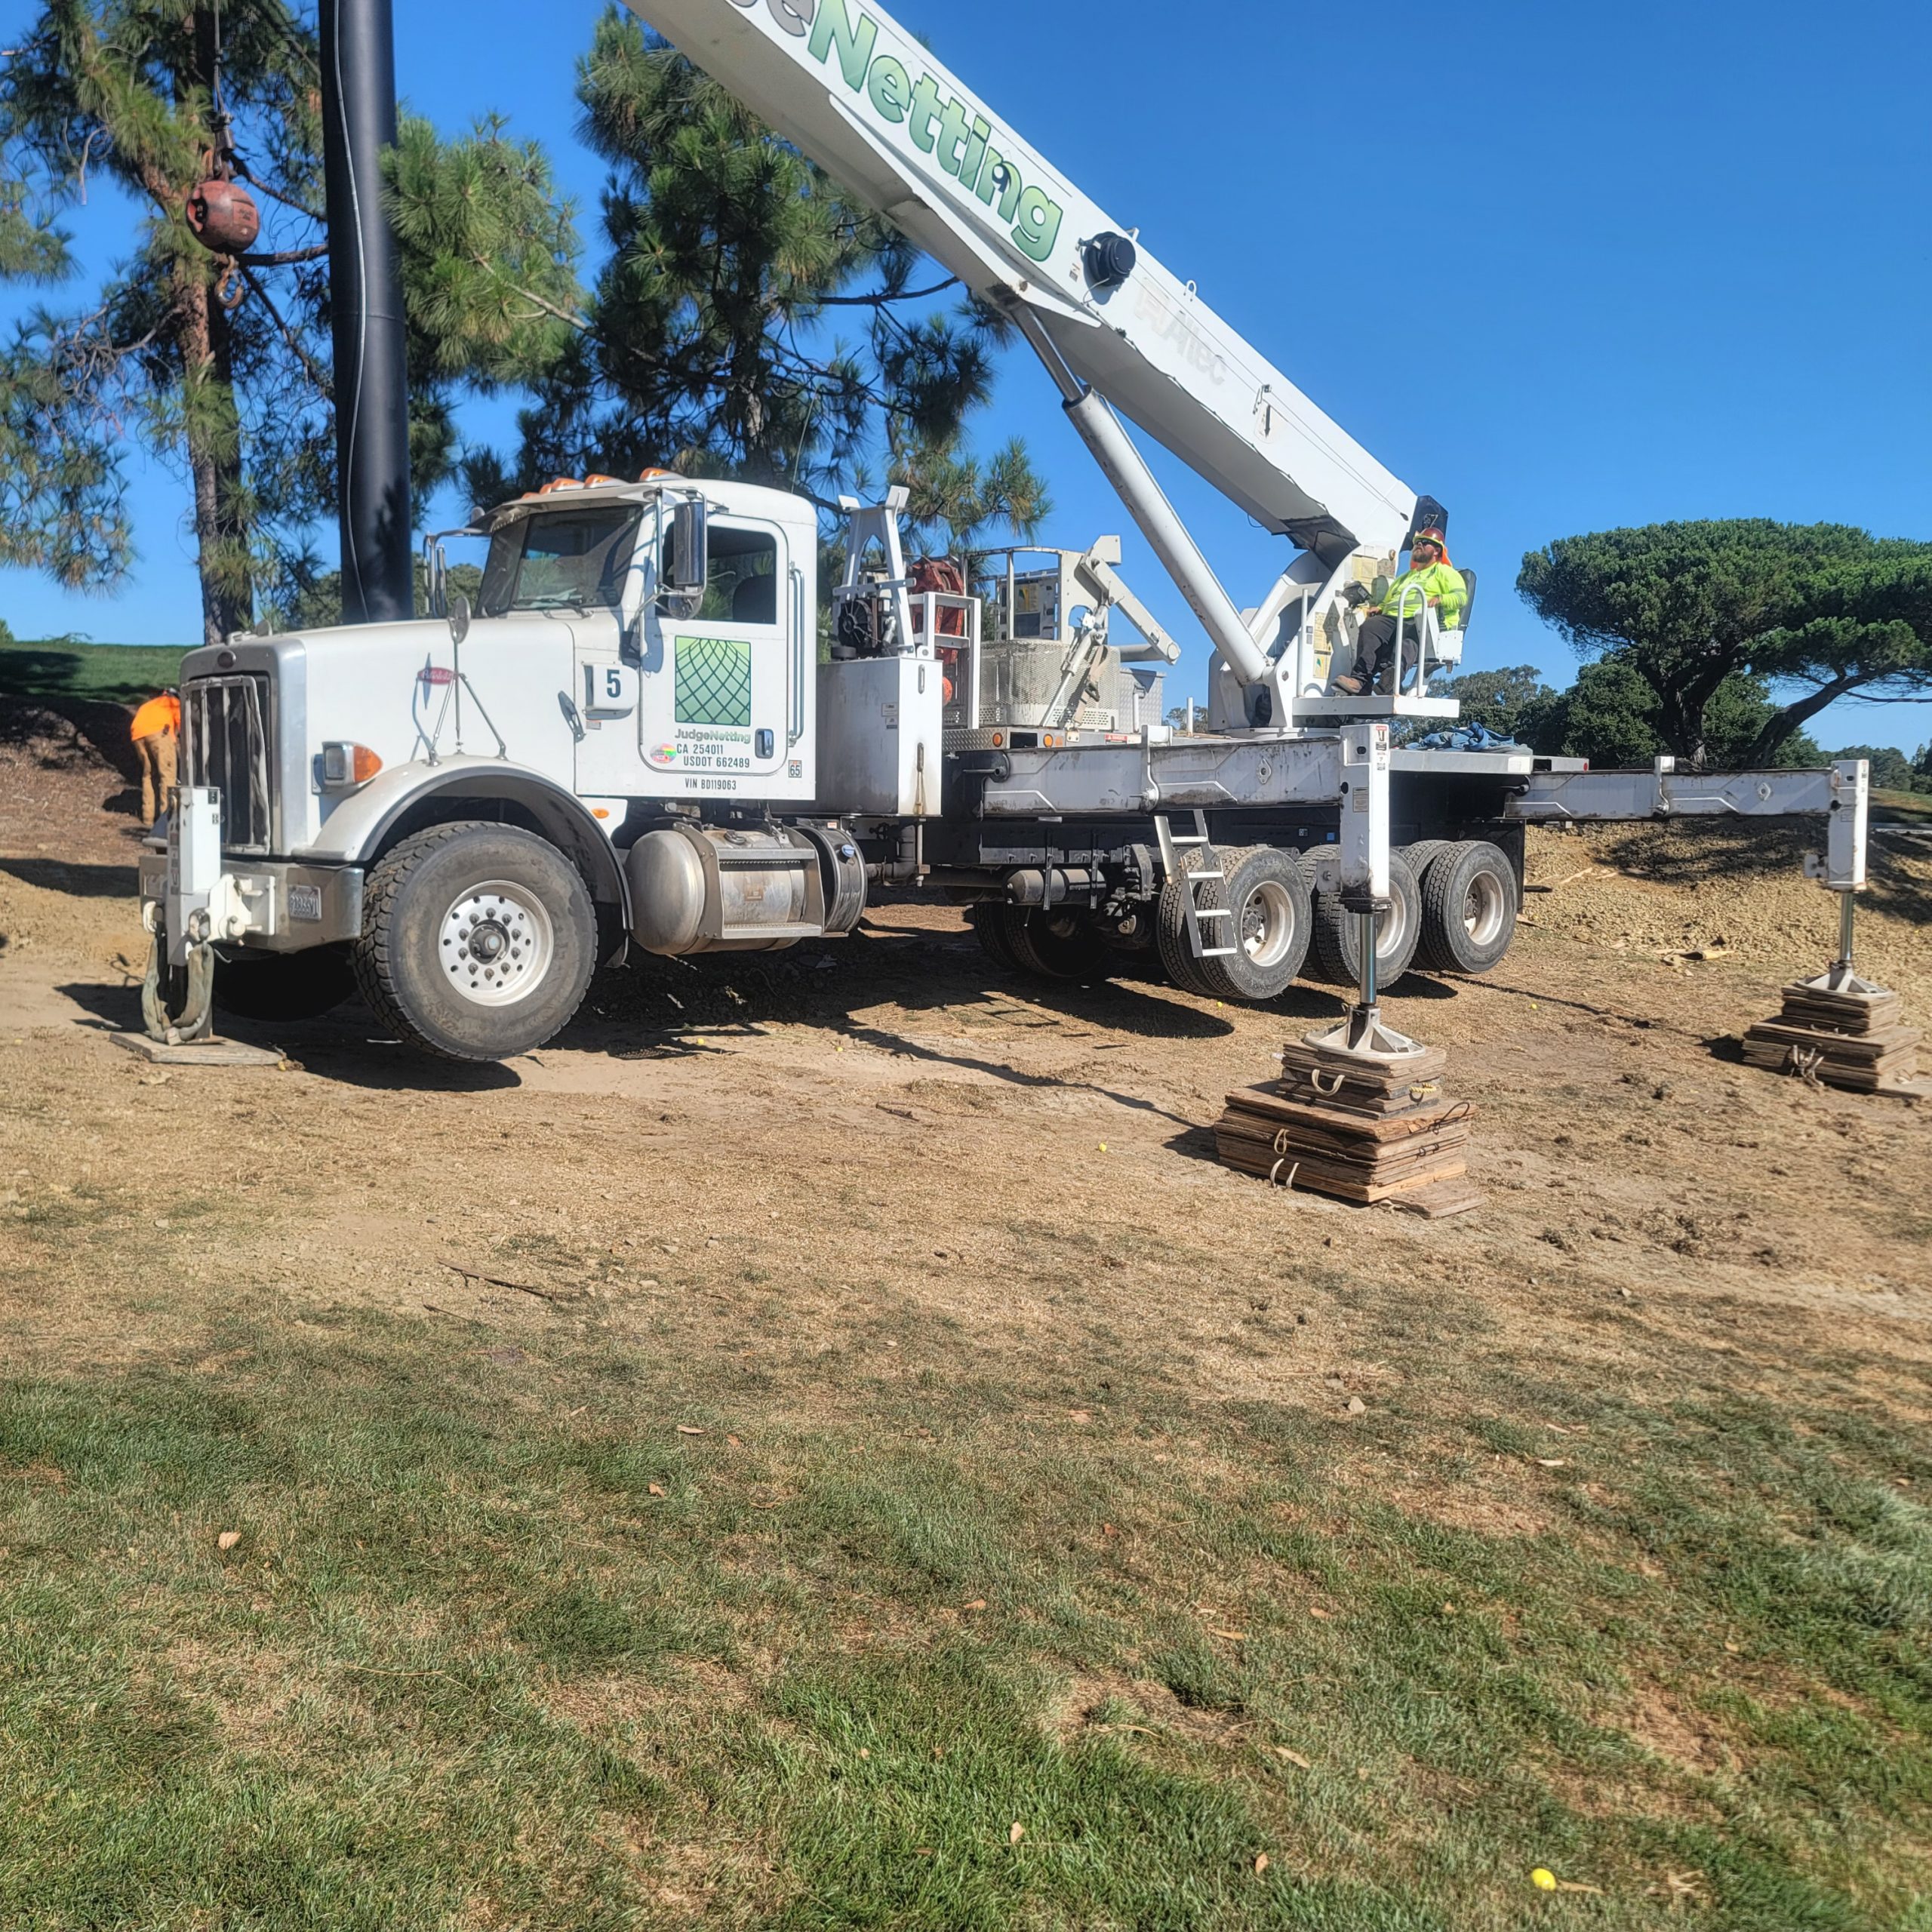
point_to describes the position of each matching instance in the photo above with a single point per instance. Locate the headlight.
(345, 766)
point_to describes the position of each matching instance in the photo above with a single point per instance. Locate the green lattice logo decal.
(714, 682)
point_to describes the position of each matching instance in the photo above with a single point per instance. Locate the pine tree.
(140, 92)
(712, 341)
(1813, 612)
(221, 366)
(488, 258)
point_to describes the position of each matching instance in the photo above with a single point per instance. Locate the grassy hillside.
(1902, 805)
(115, 673)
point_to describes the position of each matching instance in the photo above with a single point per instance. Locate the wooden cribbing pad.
(1320, 1078)
(1853, 1049)
(1840, 1013)
(1334, 1150)
(1272, 1108)
(1855, 1041)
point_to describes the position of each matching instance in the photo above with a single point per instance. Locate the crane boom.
(849, 87)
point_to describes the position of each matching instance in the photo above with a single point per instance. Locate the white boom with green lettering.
(853, 89)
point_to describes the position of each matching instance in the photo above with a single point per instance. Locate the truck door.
(609, 683)
(713, 715)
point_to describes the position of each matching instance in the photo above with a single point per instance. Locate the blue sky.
(1563, 267)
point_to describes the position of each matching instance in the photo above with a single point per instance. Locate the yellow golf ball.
(1543, 1881)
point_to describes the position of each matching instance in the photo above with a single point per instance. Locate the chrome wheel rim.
(1485, 909)
(1268, 923)
(496, 943)
(1391, 930)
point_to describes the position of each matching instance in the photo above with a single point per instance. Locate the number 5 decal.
(610, 691)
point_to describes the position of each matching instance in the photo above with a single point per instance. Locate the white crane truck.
(633, 738)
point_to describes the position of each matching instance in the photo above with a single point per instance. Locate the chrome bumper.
(272, 905)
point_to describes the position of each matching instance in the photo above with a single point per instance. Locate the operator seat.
(755, 601)
(1445, 647)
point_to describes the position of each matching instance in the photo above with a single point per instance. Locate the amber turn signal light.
(345, 766)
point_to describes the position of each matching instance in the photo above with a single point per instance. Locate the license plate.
(305, 902)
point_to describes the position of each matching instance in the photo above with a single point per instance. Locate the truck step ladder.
(1174, 846)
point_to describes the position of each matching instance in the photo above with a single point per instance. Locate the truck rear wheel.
(1053, 944)
(1423, 854)
(1187, 972)
(478, 941)
(1272, 925)
(1469, 909)
(284, 986)
(1398, 932)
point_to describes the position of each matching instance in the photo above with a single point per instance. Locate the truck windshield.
(563, 560)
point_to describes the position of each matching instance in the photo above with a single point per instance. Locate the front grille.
(225, 745)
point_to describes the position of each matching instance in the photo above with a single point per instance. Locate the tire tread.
(1333, 950)
(373, 954)
(1441, 925)
(1171, 930)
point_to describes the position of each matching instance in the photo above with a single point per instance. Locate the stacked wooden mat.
(1363, 1129)
(1855, 1040)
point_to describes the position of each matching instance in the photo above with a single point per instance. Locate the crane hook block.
(221, 216)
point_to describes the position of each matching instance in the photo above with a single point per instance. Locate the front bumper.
(193, 891)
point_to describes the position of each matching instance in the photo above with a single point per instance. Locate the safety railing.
(929, 609)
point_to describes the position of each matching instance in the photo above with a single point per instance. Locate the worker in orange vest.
(156, 731)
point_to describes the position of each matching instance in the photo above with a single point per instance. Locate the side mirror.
(686, 555)
(458, 617)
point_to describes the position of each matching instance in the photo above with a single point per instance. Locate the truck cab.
(625, 713)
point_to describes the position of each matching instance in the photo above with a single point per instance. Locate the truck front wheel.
(478, 941)
(1051, 943)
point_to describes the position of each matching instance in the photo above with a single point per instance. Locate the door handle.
(796, 727)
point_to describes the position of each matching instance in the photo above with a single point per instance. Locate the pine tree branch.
(275, 194)
(581, 324)
(316, 375)
(879, 299)
(1781, 724)
(283, 257)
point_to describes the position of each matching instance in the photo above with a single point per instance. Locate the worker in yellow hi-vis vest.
(1430, 580)
(156, 731)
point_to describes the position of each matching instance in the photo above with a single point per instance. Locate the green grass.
(1902, 804)
(111, 673)
(498, 1646)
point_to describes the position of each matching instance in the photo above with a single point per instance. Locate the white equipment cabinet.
(881, 737)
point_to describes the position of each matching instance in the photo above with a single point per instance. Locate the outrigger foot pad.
(1362, 1034)
(1843, 982)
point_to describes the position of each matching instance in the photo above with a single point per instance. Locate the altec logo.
(959, 139)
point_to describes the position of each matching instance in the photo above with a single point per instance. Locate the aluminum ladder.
(1172, 846)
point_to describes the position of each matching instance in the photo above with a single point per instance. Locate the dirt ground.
(605, 1447)
(893, 1123)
